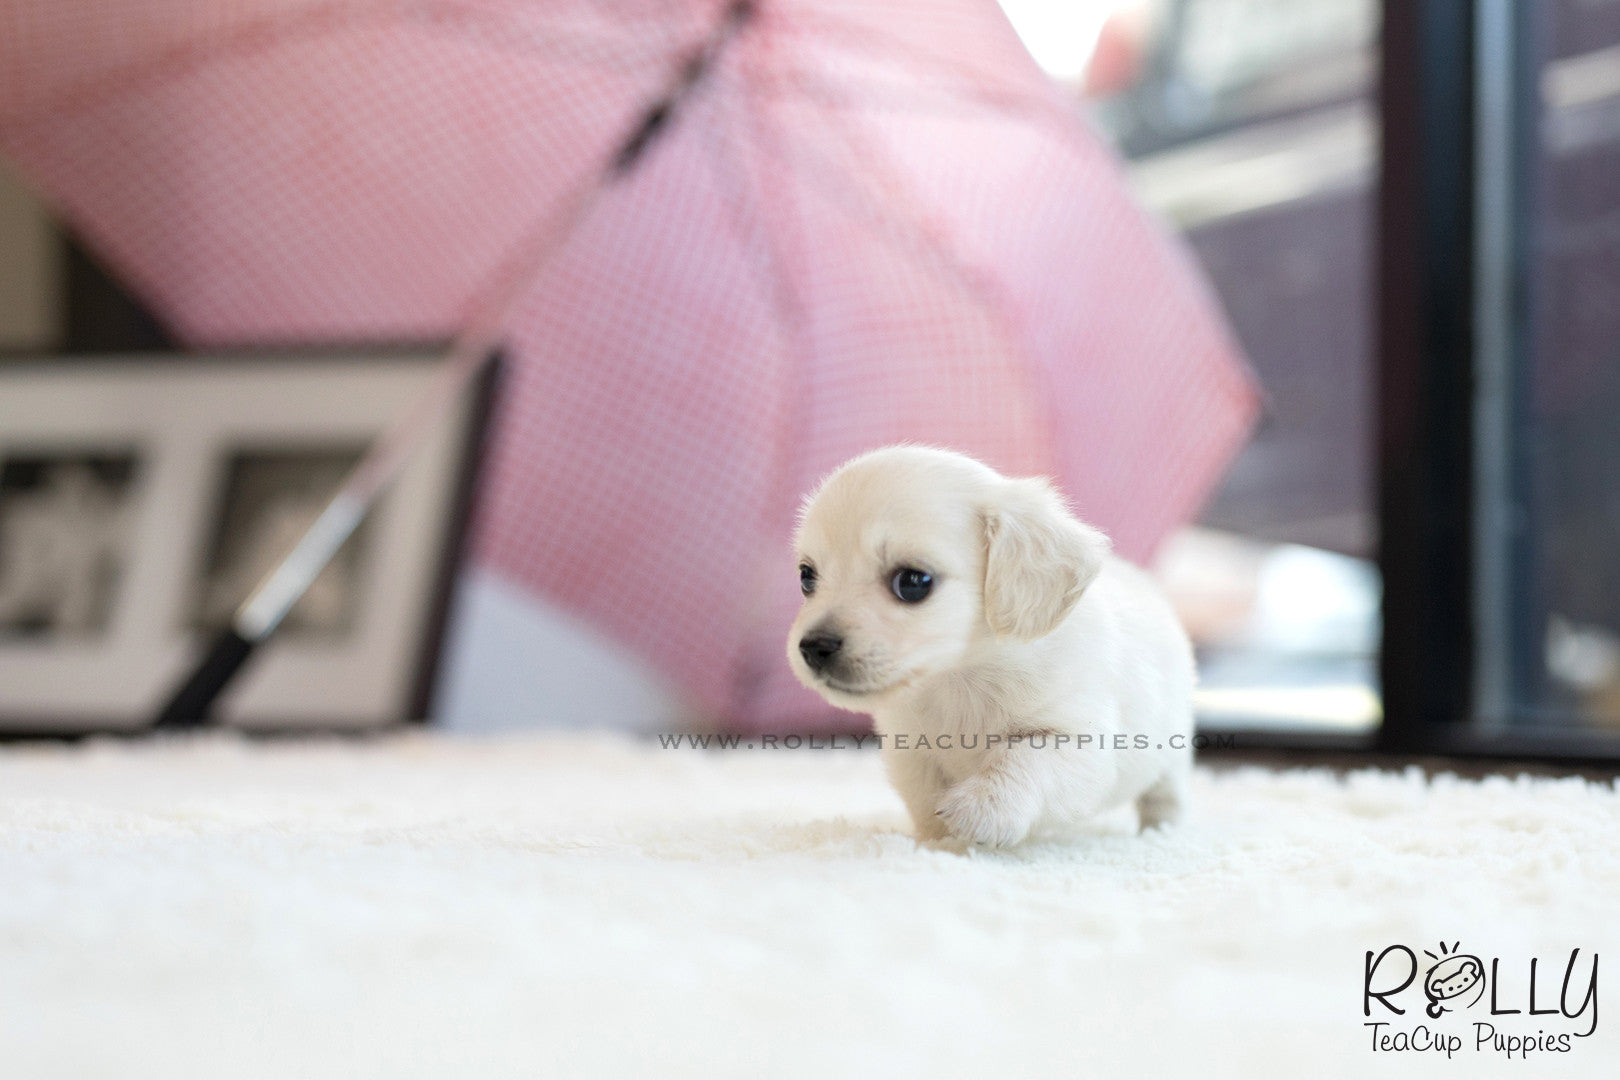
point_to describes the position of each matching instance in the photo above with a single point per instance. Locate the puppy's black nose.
(819, 648)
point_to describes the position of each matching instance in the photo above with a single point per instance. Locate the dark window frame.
(1455, 302)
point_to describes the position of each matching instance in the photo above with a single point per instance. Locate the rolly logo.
(1531, 1011)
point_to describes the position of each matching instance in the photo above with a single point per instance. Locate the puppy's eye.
(807, 578)
(910, 585)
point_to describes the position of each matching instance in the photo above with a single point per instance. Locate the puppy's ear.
(1038, 560)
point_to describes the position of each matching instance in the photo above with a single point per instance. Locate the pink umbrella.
(849, 224)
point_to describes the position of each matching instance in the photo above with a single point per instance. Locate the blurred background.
(1252, 127)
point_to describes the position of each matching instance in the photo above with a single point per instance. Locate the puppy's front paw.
(984, 809)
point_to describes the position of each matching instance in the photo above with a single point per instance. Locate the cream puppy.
(1021, 676)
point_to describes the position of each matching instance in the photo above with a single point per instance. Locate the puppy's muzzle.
(820, 650)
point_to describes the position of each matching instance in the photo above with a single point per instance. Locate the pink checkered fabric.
(874, 221)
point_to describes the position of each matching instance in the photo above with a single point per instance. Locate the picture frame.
(142, 497)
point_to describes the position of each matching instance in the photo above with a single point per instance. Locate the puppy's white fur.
(1032, 628)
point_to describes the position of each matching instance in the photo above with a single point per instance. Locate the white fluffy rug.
(589, 907)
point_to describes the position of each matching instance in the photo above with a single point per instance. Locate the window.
(1498, 381)
(1552, 653)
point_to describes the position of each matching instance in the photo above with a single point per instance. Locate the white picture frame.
(153, 472)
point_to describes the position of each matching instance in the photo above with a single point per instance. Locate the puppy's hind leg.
(1164, 802)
